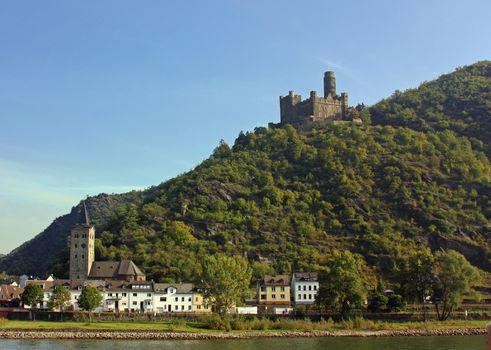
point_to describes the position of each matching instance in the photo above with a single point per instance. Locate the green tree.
(60, 299)
(90, 299)
(226, 280)
(395, 302)
(454, 277)
(378, 303)
(345, 284)
(32, 296)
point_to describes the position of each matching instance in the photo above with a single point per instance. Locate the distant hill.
(285, 198)
(459, 101)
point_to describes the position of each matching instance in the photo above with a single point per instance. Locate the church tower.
(82, 238)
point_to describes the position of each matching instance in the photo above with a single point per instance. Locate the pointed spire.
(84, 215)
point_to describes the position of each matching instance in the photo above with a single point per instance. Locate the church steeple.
(82, 238)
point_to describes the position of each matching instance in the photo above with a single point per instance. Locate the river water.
(396, 343)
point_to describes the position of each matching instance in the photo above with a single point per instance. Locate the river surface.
(396, 343)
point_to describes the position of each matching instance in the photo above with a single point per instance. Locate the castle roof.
(114, 270)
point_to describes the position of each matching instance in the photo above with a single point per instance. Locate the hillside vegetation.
(285, 198)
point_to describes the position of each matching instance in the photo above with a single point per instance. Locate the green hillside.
(285, 198)
(460, 101)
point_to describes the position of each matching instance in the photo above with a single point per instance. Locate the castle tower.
(329, 84)
(82, 238)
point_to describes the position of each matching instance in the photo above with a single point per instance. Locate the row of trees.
(442, 279)
(90, 298)
(345, 284)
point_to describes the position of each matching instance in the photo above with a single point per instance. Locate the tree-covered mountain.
(285, 198)
(459, 101)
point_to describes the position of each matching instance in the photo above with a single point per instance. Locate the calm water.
(399, 343)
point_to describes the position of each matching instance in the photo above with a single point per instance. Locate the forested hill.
(285, 198)
(460, 101)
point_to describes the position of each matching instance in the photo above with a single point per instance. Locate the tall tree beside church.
(90, 299)
(60, 299)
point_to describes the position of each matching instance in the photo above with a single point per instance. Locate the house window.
(315, 287)
(310, 296)
(299, 296)
(83, 256)
(182, 299)
(282, 289)
(134, 294)
(177, 298)
(189, 307)
(182, 307)
(196, 299)
(123, 294)
(304, 287)
(135, 303)
(273, 289)
(198, 307)
(273, 296)
(149, 294)
(282, 296)
(263, 289)
(305, 296)
(310, 287)
(163, 298)
(263, 296)
(110, 294)
(299, 287)
(176, 307)
(206, 306)
(190, 299)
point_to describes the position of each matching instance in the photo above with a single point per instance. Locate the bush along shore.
(216, 327)
(157, 335)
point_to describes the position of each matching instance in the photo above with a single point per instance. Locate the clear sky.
(113, 95)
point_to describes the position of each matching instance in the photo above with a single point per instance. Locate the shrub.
(218, 323)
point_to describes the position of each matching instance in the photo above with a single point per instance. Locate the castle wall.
(330, 107)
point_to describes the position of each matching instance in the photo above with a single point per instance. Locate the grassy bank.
(240, 325)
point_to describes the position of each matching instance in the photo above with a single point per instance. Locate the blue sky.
(109, 96)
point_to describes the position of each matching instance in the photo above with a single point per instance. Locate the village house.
(304, 287)
(273, 294)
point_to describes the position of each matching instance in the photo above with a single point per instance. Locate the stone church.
(82, 264)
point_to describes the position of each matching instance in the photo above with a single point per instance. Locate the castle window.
(75, 256)
(75, 245)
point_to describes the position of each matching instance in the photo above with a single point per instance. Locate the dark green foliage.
(378, 303)
(345, 283)
(395, 302)
(59, 299)
(226, 281)
(454, 277)
(32, 295)
(90, 298)
(460, 102)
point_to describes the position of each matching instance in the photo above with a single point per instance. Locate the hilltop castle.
(330, 107)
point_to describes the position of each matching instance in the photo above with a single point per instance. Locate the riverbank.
(169, 335)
